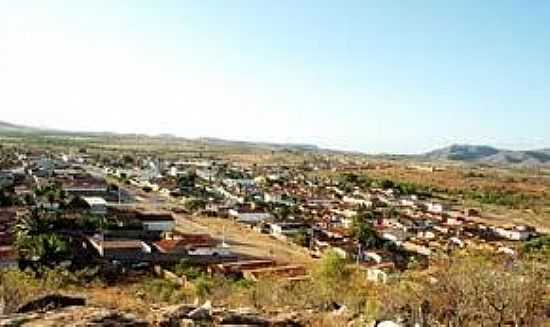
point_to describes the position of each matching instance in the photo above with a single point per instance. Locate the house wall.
(210, 251)
(161, 226)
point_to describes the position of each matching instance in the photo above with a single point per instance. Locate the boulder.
(204, 312)
(51, 302)
(235, 319)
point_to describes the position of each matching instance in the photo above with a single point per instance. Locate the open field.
(245, 241)
(503, 195)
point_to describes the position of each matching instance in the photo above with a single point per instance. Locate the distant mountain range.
(483, 154)
(460, 153)
(9, 128)
(13, 128)
(277, 146)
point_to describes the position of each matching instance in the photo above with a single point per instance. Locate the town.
(132, 212)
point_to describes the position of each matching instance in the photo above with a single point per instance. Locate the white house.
(193, 244)
(358, 201)
(250, 217)
(97, 205)
(518, 233)
(435, 207)
(289, 229)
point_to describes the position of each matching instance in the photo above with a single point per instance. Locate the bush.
(163, 290)
(184, 268)
(16, 287)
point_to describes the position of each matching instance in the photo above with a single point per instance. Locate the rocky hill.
(60, 310)
(13, 128)
(9, 128)
(483, 154)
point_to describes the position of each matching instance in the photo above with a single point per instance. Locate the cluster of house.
(127, 234)
(284, 201)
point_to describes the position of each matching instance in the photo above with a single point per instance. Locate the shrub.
(15, 288)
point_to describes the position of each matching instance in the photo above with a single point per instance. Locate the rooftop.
(95, 200)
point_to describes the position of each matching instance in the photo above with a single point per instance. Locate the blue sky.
(375, 76)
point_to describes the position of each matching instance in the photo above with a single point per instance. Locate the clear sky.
(375, 76)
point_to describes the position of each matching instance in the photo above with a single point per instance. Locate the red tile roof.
(186, 241)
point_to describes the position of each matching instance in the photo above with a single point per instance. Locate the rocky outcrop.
(74, 316)
(184, 315)
(50, 302)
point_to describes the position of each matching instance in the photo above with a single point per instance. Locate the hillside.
(6, 127)
(10, 129)
(489, 155)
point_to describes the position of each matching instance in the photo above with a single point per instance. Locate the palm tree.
(32, 223)
(45, 249)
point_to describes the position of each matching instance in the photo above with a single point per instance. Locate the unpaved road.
(245, 241)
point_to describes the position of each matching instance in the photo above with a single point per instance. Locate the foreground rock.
(73, 316)
(50, 302)
(173, 316)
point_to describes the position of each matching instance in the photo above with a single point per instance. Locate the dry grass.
(455, 180)
(245, 241)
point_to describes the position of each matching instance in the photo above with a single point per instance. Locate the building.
(192, 244)
(437, 208)
(516, 233)
(250, 216)
(356, 200)
(289, 229)
(96, 205)
(119, 248)
(84, 185)
(156, 221)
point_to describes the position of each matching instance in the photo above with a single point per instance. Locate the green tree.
(194, 205)
(365, 234)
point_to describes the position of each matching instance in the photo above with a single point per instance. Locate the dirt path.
(245, 241)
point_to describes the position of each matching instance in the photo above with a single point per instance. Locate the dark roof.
(155, 216)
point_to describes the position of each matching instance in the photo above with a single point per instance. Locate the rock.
(286, 320)
(51, 302)
(117, 319)
(388, 324)
(343, 310)
(74, 316)
(172, 316)
(16, 319)
(235, 319)
(202, 313)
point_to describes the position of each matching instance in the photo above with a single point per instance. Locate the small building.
(515, 233)
(360, 201)
(289, 229)
(437, 208)
(119, 248)
(157, 221)
(192, 244)
(252, 216)
(96, 205)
